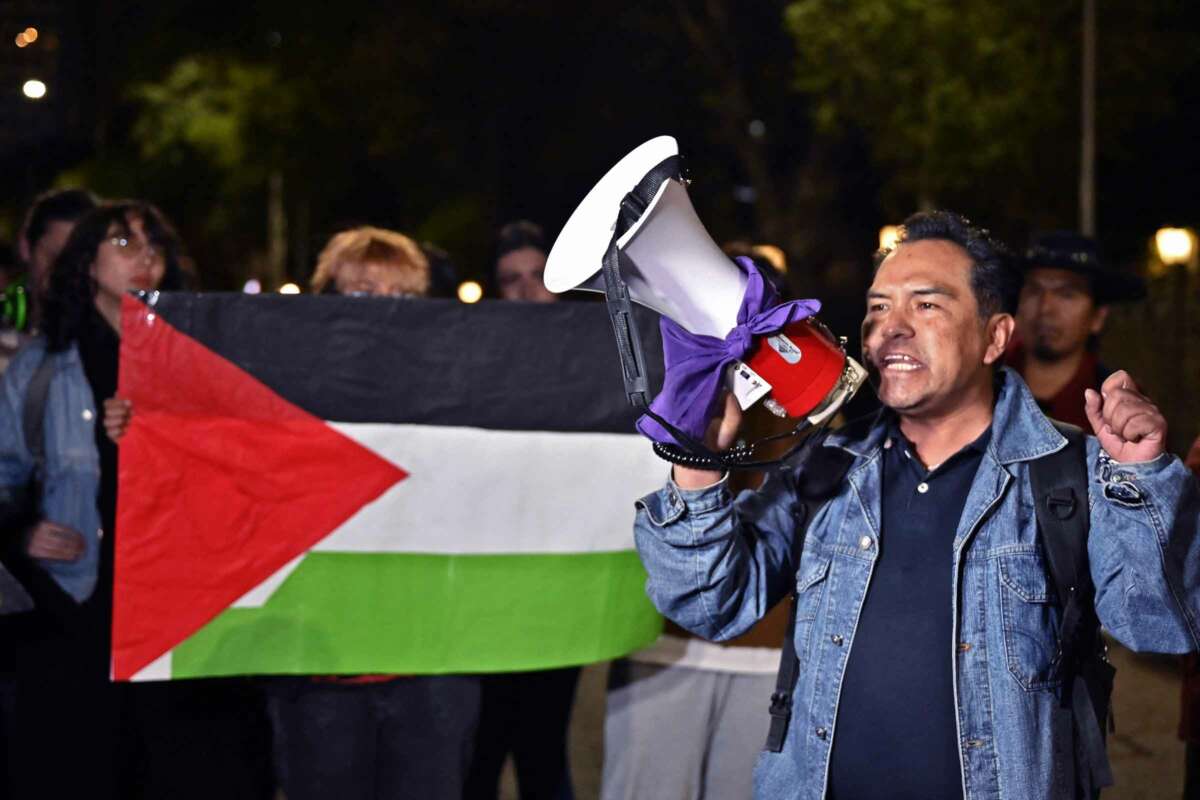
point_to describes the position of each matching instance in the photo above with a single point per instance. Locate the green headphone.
(14, 305)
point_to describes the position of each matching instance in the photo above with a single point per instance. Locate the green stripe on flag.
(414, 613)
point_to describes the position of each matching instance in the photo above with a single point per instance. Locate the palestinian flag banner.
(337, 485)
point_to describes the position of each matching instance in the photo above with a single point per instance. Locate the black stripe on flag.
(499, 365)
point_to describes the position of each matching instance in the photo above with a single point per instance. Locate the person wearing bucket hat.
(1064, 303)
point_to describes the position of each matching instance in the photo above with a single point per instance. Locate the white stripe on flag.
(472, 491)
(476, 491)
(157, 670)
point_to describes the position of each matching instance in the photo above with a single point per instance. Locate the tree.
(974, 103)
(236, 116)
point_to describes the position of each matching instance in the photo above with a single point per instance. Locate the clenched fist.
(1129, 426)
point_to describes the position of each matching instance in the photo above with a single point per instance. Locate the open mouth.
(899, 362)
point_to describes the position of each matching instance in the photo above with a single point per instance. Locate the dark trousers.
(408, 737)
(526, 714)
(78, 735)
(1191, 771)
(8, 707)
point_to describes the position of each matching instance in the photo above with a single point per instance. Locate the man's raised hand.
(1128, 425)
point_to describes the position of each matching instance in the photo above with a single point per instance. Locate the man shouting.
(927, 622)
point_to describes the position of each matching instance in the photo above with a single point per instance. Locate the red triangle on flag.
(222, 482)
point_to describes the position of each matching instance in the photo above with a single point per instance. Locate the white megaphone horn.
(636, 237)
(674, 267)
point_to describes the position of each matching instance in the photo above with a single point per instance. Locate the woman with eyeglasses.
(78, 734)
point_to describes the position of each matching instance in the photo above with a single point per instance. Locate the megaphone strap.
(616, 294)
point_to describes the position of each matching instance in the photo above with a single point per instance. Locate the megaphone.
(637, 233)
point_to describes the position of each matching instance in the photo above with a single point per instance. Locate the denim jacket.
(716, 565)
(72, 470)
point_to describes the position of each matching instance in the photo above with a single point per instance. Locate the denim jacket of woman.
(72, 470)
(716, 565)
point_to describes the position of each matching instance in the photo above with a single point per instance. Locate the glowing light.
(470, 292)
(1175, 245)
(253, 286)
(30, 34)
(34, 89)
(289, 288)
(773, 254)
(888, 236)
(22, 39)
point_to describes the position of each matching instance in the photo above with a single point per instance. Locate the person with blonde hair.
(374, 262)
(349, 736)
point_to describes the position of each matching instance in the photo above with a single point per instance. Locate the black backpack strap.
(1060, 487)
(789, 662)
(1059, 483)
(828, 467)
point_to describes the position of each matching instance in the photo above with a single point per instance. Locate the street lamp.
(289, 288)
(470, 292)
(888, 236)
(34, 89)
(1176, 248)
(1175, 245)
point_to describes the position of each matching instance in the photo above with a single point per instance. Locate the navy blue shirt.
(896, 737)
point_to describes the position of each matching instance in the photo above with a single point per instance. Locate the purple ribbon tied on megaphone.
(695, 364)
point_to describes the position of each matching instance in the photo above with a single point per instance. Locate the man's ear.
(999, 333)
(1099, 316)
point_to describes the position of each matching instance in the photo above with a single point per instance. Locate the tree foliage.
(238, 116)
(974, 102)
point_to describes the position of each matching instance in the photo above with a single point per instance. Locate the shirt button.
(821, 733)
(887, 443)
(88, 415)
(837, 639)
(865, 543)
(922, 487)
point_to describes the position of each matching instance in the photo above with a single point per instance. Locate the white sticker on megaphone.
(748, 386)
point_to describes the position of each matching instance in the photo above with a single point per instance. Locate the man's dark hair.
(519, 235)
(995, 278)
(72, 291)
(58, 205)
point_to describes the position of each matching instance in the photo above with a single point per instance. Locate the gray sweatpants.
(675, 733)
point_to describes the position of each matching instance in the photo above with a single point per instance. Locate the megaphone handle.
(629, 344)
(616, 293)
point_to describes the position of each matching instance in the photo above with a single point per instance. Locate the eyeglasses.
(136, 248)
(361, 289)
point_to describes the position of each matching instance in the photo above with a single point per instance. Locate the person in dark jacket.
(1065, 297)
(525, 714)
(402, 737)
